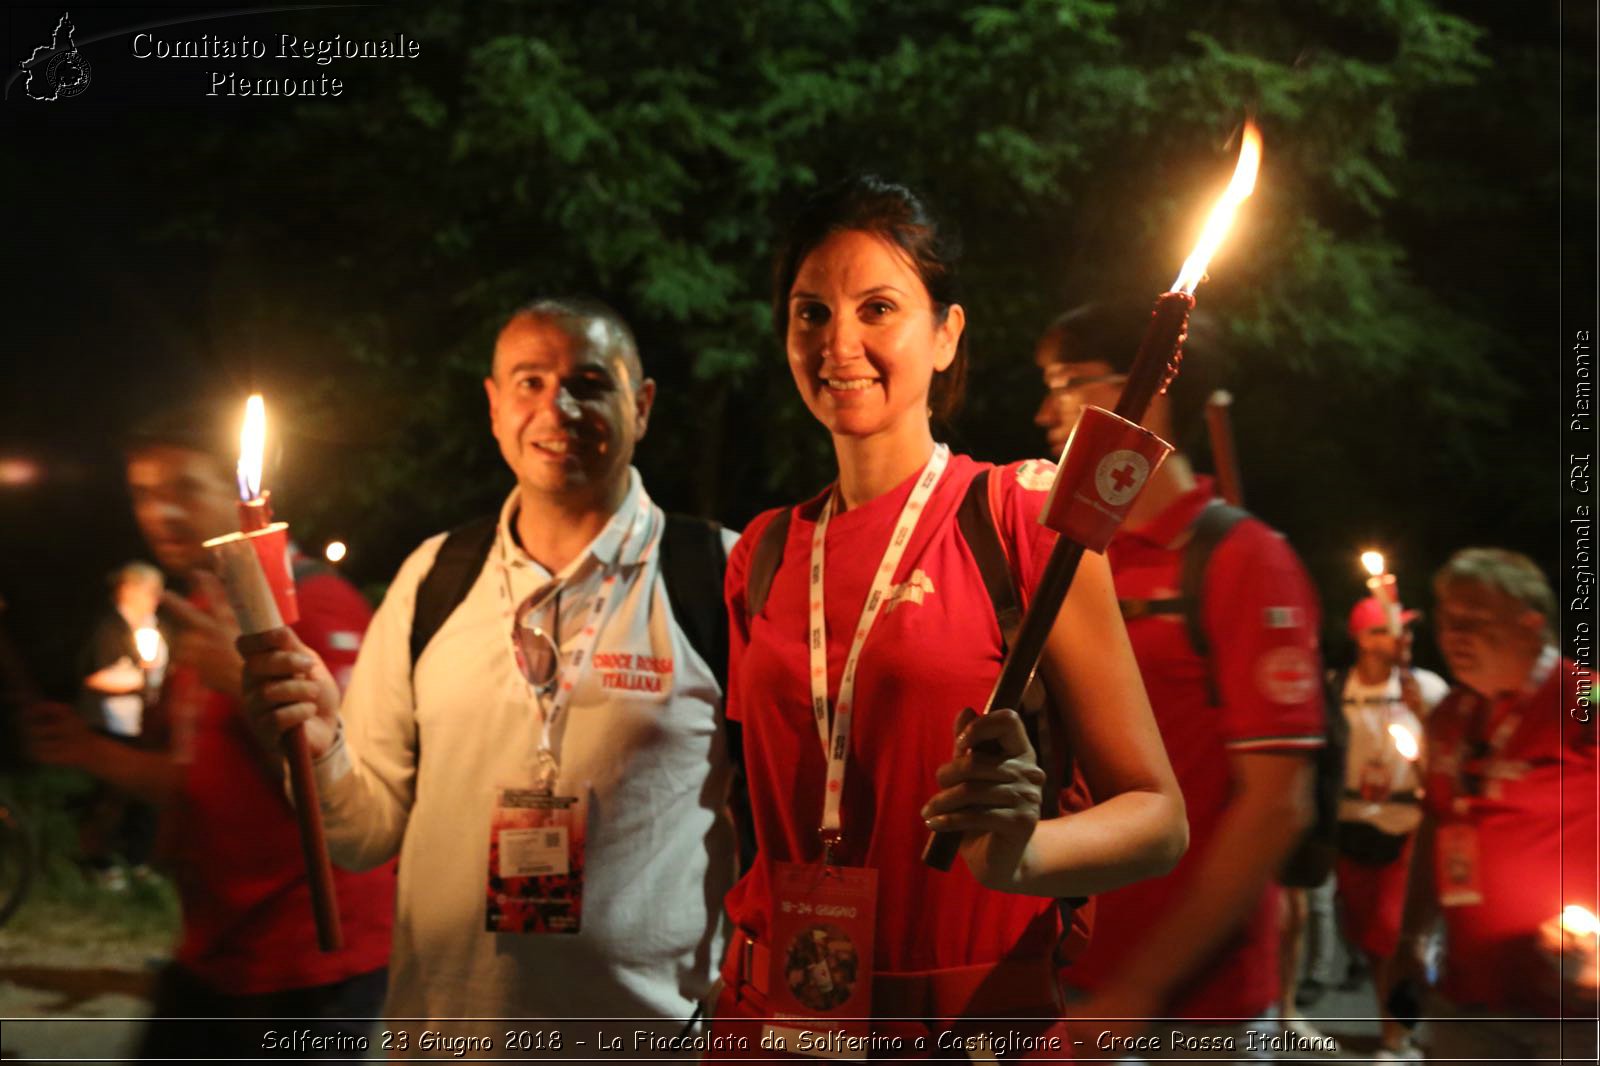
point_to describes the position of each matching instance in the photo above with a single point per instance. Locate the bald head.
(592, 325)
(568, 401)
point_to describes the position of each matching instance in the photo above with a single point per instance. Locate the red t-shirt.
(1261, 618)
(233, 841)
(934, 649)
(1535, 822)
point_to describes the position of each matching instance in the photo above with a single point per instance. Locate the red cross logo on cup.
(1120, 475)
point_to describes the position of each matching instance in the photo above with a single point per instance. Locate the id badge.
(823, 922)
(535, 882)
(1456, 865)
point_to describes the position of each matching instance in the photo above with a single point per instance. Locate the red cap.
(1371, 612)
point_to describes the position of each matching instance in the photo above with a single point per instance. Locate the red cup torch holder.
(256, 573)
(1107, 462)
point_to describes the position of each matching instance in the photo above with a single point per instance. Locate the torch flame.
(1580, 920)
(1373, 561)
(1405, 742)
(1242, 185)
(252, 447)
(148, 641)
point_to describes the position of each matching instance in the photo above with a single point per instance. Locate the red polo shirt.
(935, 649)
(1536, 827)
(1261, 618)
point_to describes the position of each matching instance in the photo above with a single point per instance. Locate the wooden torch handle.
(313, 842)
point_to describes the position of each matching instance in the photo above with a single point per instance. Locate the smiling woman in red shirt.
(873, 634)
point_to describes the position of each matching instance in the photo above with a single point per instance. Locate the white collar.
(1542, 668)
(612, 546)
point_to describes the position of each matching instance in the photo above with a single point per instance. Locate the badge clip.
(832, 844)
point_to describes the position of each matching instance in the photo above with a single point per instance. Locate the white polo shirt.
(1372, 756)
(424, 755)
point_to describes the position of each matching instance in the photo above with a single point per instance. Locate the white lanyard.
(835, 746)
(572, 664)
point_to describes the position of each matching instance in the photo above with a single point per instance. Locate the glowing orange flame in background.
(1580, 921)
(1405, 742)
(148, 640)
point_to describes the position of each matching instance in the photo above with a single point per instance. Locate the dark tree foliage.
(1376, 311)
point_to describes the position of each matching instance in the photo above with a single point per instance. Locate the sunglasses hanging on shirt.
(537, 639)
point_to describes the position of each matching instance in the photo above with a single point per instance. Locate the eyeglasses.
(1074, 383)
(1465, 622)
(538, 649)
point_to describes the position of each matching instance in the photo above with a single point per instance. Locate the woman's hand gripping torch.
(1107, 461)
(254, 564)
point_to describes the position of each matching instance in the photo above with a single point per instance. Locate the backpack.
(1309, 864)
(975, 518)
(692, 566)
(693, 562)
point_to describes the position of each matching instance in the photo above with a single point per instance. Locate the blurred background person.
(228, 833)
(1385, 701)
(122, 665)
(1507, 840)
(126, 655)
(1229, 656)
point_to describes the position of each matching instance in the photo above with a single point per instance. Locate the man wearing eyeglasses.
(549, 764)
(1234, 679)
(1507, 840)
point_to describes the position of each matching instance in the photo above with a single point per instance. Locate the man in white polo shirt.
(547, 760)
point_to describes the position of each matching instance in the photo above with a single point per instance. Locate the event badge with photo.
(1456, 859)
(535, 882)
(823, 921)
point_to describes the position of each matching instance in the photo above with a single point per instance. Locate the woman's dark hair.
(894, 213)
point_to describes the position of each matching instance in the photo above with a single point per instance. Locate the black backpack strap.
(455, 570)
(693, 567)
(1132, 609)
(693, 563)
(975, 519)
(1208, 529)
(765, 559)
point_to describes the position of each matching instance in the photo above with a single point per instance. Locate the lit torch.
(1383, 585)
(1405, 742)
(256, 573)
(1571, 940)
(255, 510)
(1107, 461)
(147, 639)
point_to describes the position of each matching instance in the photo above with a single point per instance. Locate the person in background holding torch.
(123, 664)
(248, 948)
(1506, 852)
(1385, 702)
(1231, 663)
